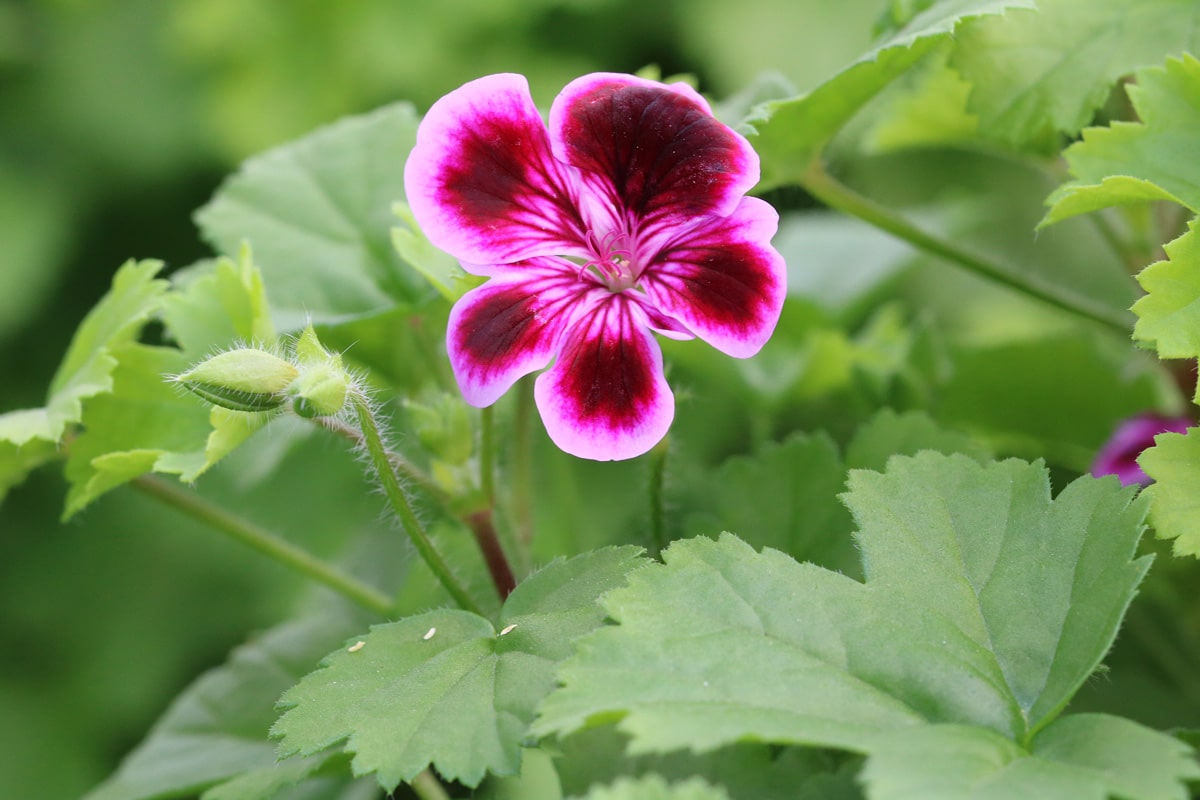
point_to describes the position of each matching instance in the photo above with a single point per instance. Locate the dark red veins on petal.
(609, 375)
(505, 173)
(660, 150)
(727, 285)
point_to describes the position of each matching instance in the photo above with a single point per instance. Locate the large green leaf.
(986, 605)
(789, 134)
(86, 369)
(1169, 314)
(217, 728)
(1037, 73)
(318, 212)
(1174, 464)
(446, 688)
(1156, 158)
(144, 423)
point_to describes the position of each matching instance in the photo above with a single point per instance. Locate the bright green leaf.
(145, 424)
(1041, 584)
(446, 688)
(17, 462)
(1018, 598)
(318, 213)
(537, 778)
(439, 268)
(86, 369)
(1157, 157)
(1036, 73)
(789, 134)
(1169, 314)
(219, 305)
(1084, 756)
(1174, 464)
(653, 787)
(217, 728)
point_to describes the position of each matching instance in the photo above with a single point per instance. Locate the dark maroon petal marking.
(658, 148)
(606, 398)
(723, 280)
(510, 327)
(482, 182)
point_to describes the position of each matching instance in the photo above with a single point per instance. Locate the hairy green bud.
(241, 380)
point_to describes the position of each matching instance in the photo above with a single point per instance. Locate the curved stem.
(842, 198)
(426, 786)
(265, 542)
(396, 495)
(523, 465)
(658, 468)
(487, 455)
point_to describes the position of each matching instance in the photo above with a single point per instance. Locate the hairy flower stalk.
(626, 215)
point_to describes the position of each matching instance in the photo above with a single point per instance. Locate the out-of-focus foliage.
(119, 120)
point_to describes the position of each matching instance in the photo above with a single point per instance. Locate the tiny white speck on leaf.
(429, 634)
(354, 648)
(508, 629)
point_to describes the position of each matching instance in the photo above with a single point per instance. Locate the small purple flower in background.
(627, 216)
(1120, 453)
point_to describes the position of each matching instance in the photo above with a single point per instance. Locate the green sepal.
(241, 380)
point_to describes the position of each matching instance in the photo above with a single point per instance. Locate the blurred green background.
(119, 119)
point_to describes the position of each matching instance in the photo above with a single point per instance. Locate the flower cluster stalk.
(398, 498)
(265, 542)
(836, 195)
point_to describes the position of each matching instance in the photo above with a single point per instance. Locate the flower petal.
(482, 182)
(606, 398)
(510, 326)
(723, 279)
(650, 149)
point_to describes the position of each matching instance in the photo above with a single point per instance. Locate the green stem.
(265, 542)
(426, 786)
(836, 195)
(396, 495)
(401, 464)
(487, 455)
(658, 468)
(523, 465)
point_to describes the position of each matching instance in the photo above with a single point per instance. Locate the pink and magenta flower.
(626, 215)
(1120, 453)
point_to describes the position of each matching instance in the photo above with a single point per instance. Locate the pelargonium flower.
(626, 215)
(1120, 453)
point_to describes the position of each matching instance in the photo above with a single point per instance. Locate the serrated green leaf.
(986, 605)
(1041, 584)
(653, 787)
(318, 213)
(17, 462)
(1169, 314)
(1037, 73)
(889, 434)
(785, 497)
(1155, 158)
(145, 424)
(217, 728)
(219, 305)
(1084, 756)
(86, 369)
(537, 778)
(446, 688)
(1174, 464)
(789, 134)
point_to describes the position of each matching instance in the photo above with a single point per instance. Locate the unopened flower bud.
(241, 380)
(321, 389)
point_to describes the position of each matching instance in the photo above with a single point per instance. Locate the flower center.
(612, 260)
